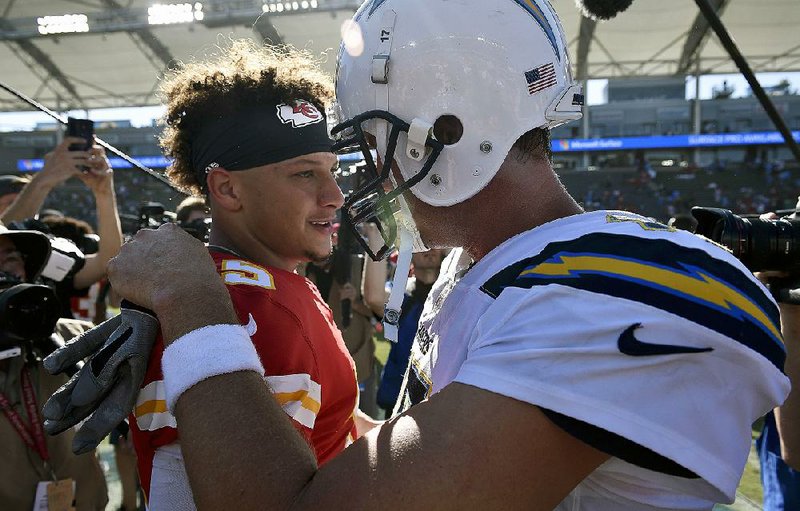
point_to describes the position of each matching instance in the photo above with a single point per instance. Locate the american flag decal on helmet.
(541, 78)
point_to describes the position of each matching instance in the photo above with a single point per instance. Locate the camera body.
(80, 128)
(29, 311)
(28, 316)
(199, 228)
(761, 245)
(154, 214)
(64, 258)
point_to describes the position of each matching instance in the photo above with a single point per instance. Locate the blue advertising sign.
(153, 162)
(669, 141)
(558, 145)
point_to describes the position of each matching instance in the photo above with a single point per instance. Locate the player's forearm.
(28, 202)
(260, 463)
(242, 453)
(109, 230)
(788, 415)
(373, 285)
(109, 227)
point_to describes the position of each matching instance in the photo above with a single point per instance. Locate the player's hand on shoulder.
(159, 267)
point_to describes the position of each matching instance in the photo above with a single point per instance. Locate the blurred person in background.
(125, 458)
(377, 289)
(59, 165)
(75, 302)
(93, 169)
(778, 445)
(339, 280)
(193, 216)
(190, 209)
(425, 270)
(89, 304)
(10, 186)
(788, 415)
(30, 460)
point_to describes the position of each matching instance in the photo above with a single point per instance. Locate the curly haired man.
(247, 130)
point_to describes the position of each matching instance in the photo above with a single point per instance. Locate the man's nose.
(331, 194)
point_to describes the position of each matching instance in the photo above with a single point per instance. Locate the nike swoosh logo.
(628, 344)
(251, 326)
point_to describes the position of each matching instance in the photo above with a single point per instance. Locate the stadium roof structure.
(84, 54)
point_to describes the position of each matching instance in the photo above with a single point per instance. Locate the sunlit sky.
(144, 116)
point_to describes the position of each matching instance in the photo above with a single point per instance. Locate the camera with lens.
(761, 245)
(152, 215)
(65, 258)
(28, 316)
(199, 228)
(28, 311)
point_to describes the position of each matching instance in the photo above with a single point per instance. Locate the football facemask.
(371, 202)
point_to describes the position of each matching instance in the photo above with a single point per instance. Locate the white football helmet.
(498, 66)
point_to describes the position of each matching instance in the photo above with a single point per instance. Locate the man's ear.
(223, 188)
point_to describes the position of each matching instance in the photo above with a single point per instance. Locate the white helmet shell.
(499, 66)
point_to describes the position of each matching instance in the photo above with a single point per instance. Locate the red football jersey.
(306, 363)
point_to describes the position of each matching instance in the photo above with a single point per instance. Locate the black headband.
(259, 136)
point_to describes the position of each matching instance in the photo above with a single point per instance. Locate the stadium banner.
(670, 141)
(154, 162)
(558, 145)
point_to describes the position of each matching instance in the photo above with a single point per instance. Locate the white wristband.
(206, 352)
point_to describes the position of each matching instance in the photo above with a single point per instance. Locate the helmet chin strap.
(391, 312)
(405, 221)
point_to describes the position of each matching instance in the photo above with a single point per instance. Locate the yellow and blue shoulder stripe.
(688, 282)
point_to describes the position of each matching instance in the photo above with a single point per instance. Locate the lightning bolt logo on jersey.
(656, 338)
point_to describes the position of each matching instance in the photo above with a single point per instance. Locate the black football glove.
(104, 391)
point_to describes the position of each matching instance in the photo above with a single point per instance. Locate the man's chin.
(319, 257)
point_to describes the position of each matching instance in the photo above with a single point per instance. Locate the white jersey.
(653, 345)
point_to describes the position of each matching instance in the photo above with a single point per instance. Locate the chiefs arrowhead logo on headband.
(301, 113)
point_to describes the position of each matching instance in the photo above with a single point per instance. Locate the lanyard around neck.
(32, 434)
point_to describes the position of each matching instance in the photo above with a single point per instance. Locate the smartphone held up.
(84, 129)
(80, 128)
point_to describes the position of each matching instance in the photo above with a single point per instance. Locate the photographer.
(10, 186)
(29, 330)
(191, 209)
(767, 246)
(788, 415)
(779, 443)
(194, 217)
(93, 169)
(60, 164)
